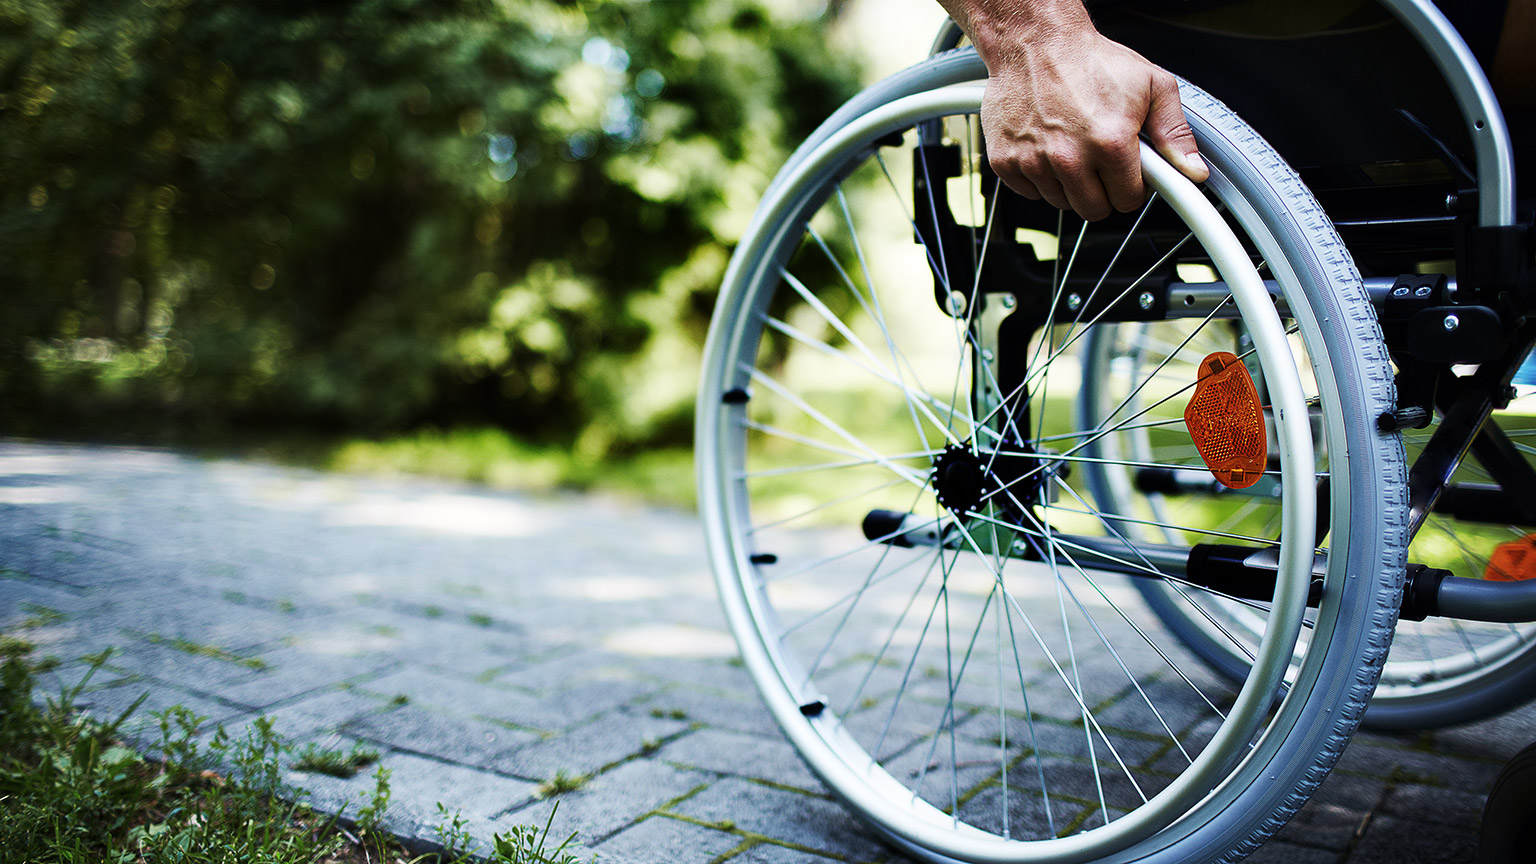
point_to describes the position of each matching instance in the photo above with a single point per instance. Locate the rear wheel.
(893, 481)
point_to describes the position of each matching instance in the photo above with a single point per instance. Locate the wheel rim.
(838, 732)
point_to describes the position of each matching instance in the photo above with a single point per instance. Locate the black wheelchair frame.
(1427, 172)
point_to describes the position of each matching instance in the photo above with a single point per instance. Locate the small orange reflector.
(1514, 561)
(1226, 421)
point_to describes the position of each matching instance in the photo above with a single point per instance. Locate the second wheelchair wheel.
(1443, 670)
(892, 481)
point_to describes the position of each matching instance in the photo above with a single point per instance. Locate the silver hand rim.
(822, 740)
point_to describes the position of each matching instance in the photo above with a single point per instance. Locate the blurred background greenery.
(478, 238)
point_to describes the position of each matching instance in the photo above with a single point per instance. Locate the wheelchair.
(1047, 540)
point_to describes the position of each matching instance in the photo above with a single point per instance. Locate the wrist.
(1007, 31)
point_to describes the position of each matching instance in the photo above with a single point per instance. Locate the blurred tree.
(382, 213)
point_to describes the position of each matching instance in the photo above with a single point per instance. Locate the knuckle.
(1182, 133)
(1115, 142)
(1129, 203)
(1065, 162)
(1122, 150)
(1036, 166)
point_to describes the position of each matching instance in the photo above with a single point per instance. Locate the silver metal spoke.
(1125, 563)
(933, 561)
(825, 505)
(872, 307)
(1049, 655)
(854, 595)
(1147, 379)
(1153, 523)
(857, 596)
(1173, 582)
(832, 426)
(840, 556)
(944, 570)
(862, 457)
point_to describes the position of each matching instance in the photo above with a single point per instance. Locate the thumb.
(1169, 132)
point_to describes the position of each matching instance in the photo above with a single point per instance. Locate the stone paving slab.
(487, 642)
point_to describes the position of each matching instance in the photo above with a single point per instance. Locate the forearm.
(1006, 31)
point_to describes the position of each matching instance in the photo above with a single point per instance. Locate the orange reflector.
(1226, 421)
(1514, 561)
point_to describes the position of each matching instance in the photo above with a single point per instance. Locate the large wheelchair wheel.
(892, 480)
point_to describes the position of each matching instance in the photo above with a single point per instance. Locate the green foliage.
(452, 836)
(370, 818)
(198, 649)
(526, 845)
(72, 792)
(379, 213)
(495, 458)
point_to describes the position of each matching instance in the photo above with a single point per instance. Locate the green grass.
(494, 458)
(72, 792)
(197, 649)
(336, 763)
(561, 784)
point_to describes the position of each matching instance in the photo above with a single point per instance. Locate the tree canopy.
(376, 214)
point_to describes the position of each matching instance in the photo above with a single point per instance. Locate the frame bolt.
(1146, 300)
(1009, 302)
(1400, 291)
(1451, 322)
(1421, 291)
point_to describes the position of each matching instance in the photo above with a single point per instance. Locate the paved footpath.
(485, 642)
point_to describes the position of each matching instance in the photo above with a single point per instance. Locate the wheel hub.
(960, 480)
(964, 480)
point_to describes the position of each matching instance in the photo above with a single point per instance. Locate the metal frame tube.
(1479, 107)
(1480, 600)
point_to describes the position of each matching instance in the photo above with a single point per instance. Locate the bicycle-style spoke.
(811, 511)
(1074, 690)
(833, 426)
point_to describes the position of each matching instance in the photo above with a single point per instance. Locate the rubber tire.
(1325, 706)
(1509, 816)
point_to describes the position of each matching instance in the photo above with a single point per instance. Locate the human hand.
(1062, 113)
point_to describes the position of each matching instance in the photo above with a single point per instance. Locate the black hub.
(961, 480)
(1011, 479)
